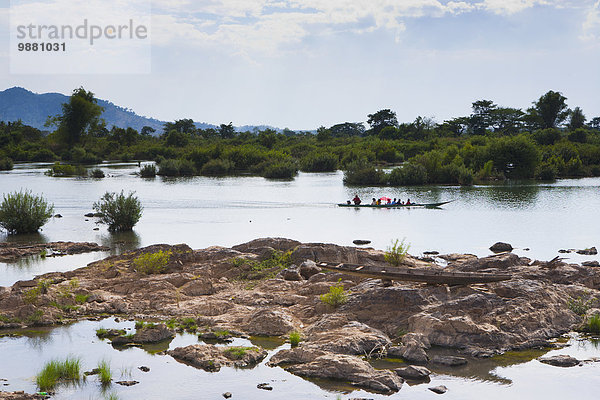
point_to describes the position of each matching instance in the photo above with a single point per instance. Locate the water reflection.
(120, 242)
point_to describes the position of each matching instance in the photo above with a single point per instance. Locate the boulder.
(500, 247)
(439, 389)
(360, 242)
(450, 361)
(326, 365)
(290, 274)
(352, 337)
(148, 334)
(266, 322)
(561, 360)
(211, 358)
(414, 372)
(309, 268)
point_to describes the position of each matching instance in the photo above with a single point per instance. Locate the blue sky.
(306, 63)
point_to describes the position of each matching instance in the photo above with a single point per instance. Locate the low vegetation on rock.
(152, 263)
(336, 295)
(396, 253)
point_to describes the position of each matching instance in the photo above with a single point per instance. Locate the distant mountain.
(33, 109)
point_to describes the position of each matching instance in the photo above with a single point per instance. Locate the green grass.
(104, 372)
(580, 304)
(593, 324)
(396, 253)
(238, 353)
(220, 334)
(140, 324)
(152, 263)
(34, 318)
(81, 298)
(112, 396)
(101, 332)
(171, 323)
(336, 296)
(56, 371)
(265, 269)
(295, 338)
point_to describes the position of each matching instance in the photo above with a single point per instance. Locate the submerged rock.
(127, 383)
(264, 386)
(148, 334)
(360, 242)
(414, 372)
(561, 360)
(450, 361)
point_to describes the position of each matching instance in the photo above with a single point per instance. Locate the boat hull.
(433, 276)
(426, 205)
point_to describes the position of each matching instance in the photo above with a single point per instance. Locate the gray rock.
(591, 264)
(500, 247)
(264, 386)
(309, 268)
(198, 287)
(414, 372)
(439, 389)
(588, 252)
(450, 361)
(431, 253)
(359, 242)
(290, 274)
(561, 360)
(227, 395)
(127, 383)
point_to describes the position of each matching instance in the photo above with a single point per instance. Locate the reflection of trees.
(38, 339)
(120, 242)
(28, 238)
(512, 196)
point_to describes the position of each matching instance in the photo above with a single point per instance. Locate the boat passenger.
(374, 202)
(378, 202)
(408, 203)
(389, 201)
(394, 202)
(356, 200)
(348, 202)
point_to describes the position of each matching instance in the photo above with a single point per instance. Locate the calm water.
(205, 211)
(515, 375)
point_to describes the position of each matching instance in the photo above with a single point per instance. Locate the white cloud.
(591, 24)
(507, 7)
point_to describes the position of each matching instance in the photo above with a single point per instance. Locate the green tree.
(147, 131)
(482, 117)
(516, 156)
(508, 121)
(577, 119)
(381, 119)
(185, 125)
(227, 131)
(80, 115)
(550, 110)
(347, 129)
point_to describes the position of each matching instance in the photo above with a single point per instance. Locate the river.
(538, 219)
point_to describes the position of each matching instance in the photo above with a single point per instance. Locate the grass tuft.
(336, 296)
(295, 338)
(104, 372)
(56, 371)
(396, 253)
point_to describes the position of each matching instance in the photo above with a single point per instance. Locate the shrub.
(237, 353)
(319, 162)
(97, 173)
(280, 170)
(118, 211)
(396, 253)
(217, 167)
(336, 296)
(152, 263)
(546, 171)
(363, 173)
(56, 371)
(580, 305)
(6, 164)
(295, 338)
(104, 372)
(148, 171)
(23, 212)
(168, 168)
(409, 174)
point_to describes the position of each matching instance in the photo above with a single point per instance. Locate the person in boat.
(394, 202)
(374, 202)
(356, 200)
(378, 202)
(389, 201)
(408, 203)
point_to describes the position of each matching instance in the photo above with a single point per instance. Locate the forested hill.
(33, 109)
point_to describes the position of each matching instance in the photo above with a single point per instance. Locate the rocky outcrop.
(148, 334)
(13, 251)
(413, 372)
(211, 358)
(265, 322)
(21, 395)
(324, 364)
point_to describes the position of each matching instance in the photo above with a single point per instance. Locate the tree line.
(546, 141)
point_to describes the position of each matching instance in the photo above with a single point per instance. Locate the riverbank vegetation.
(118, 211)
(57, 371)
(546, 141)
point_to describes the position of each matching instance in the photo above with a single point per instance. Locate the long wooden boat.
(434, 276)
(426, 205)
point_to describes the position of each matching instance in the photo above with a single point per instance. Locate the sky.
(302, 64)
